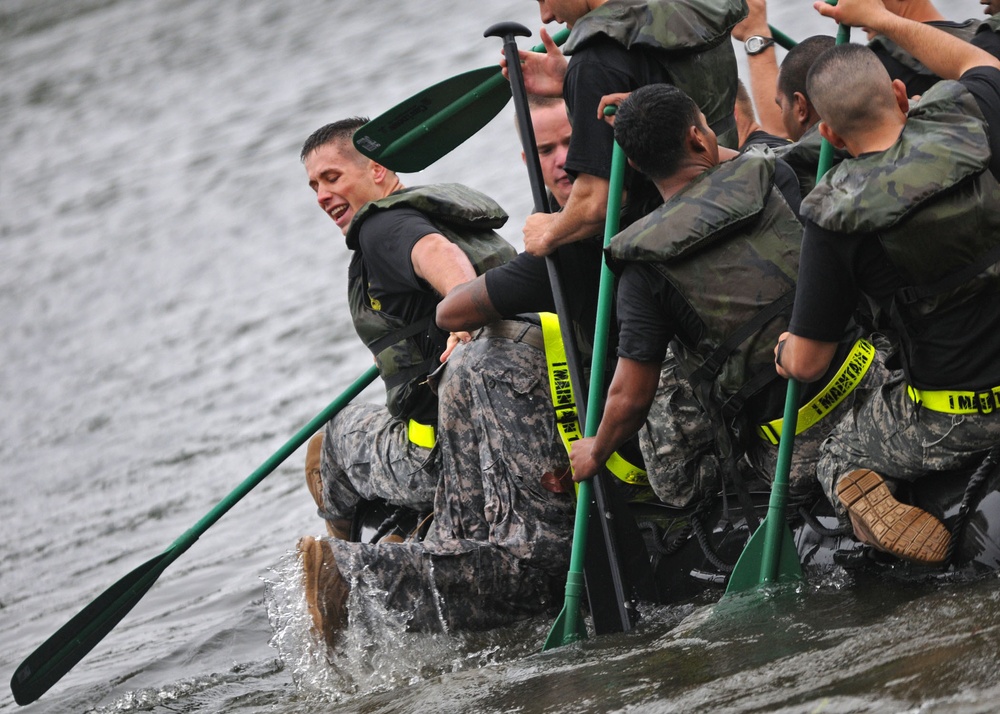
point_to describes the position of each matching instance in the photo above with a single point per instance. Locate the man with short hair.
(498, 547)
(552, 130)
(711, 274)
(912, 222)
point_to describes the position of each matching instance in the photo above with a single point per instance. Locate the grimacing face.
(552, 135)
(343, 180)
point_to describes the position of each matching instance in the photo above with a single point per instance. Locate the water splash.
(376, 653)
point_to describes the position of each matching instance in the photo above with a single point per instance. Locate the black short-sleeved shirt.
(386, 240)
(605, 67)
(834, 270)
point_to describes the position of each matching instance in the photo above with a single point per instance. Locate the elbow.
(446, 316)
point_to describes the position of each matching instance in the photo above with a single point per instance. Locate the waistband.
(849, 376)
(985, 401)
(514, 330)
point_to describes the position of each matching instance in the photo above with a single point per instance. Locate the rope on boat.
(971, 497)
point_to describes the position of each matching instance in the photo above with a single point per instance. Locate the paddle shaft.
(61, 652)
(586, 417)
(779, 490)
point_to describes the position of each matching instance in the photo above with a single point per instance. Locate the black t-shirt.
(605, 67)
(836, 269)
(386, 240)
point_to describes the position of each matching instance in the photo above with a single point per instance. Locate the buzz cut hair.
(651, 126)
(850, 89)
(335, 133)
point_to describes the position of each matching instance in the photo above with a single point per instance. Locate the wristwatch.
(757, 44)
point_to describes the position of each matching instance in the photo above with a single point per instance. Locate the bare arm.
(441, 263)
(582, 217)
(629, 398)
(801, 358)
(467, 307)
(946, 56)
(763, 69)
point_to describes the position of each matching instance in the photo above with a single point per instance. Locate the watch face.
(756, 44)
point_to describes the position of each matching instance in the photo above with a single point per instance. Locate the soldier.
(617, 46)
(410, 247)
(712, 273)
(498, 546)
(913, 224)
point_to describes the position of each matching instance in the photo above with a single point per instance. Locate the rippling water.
(172, 311)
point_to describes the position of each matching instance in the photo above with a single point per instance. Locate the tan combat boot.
(325, 588)
(880, 520)
(339, 528)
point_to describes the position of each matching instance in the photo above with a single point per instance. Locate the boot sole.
(905, 531)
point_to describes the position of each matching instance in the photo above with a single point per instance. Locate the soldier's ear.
(902, 100)
(696, 140)
(830, 135)
(379, 172)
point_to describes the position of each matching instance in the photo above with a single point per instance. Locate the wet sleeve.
(826, 293)
(587, 80)
(387, 239)
(984, 84)
(520, 286)
(645, 327)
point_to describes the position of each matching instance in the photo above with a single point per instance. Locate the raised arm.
(944, 55)
(763, 69)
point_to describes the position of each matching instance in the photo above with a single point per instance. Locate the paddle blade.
(747, 574)
(420, 130)
(569, 626)
(61, 652)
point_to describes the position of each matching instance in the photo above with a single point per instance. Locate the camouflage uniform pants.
(897, 439)
(806, 454)
(499, 546)
(366, 455)
(678, 442)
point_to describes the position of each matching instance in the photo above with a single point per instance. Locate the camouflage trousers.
(498, 549)
(367, 455)
(682, 458)
(678, 442)
(803, 481)
(891, 435)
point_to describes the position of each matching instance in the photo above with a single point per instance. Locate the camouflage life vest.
(803, 157)
(964, 31)
(691, 38)
(406, 352)
(729, 245)
(934, 206)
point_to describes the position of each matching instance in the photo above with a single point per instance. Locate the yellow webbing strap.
(421, 434)
(836, 390)
(985, 401)
(564, 402)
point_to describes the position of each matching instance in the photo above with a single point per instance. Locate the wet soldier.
(913, 224)
(711, 274)
(498, 545)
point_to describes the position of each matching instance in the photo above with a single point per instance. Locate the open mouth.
(338, 212)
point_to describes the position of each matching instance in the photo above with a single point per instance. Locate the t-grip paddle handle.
(507, 30)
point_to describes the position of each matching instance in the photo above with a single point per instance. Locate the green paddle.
(420, 130)
(568, 627)
(770, 555)
(60, 653)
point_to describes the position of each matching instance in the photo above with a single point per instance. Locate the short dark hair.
(795, 67)
(650, 126)
(851, 89)
(744, 102)
(338, 131)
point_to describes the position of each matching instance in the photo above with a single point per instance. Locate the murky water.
(172, 311)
